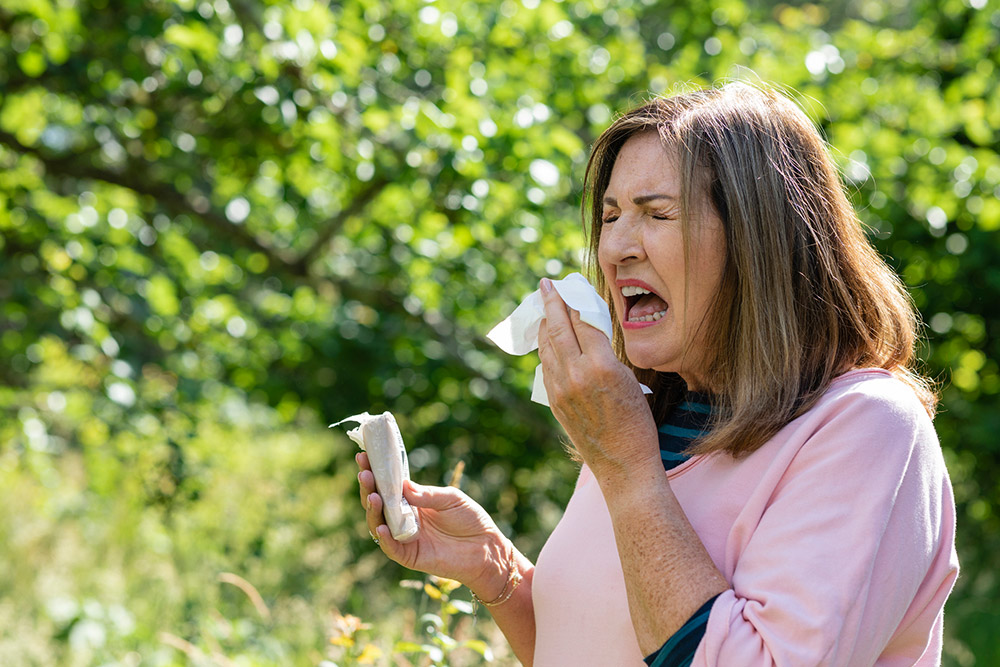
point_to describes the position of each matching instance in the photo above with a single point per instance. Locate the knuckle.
(577, 380)
(604, 372)
(607, 367)
(557, 329)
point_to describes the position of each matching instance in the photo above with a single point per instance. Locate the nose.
(621, 242)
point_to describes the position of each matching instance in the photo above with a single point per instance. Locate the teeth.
(634, 290)
(649, 318)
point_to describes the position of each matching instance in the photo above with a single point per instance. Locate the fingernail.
(546, 285)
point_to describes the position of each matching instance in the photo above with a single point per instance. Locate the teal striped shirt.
(688, 421)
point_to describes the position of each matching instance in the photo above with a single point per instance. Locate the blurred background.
(225, 224)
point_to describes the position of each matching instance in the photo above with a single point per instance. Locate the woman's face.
(660, 303)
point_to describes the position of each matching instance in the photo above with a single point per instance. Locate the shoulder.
(875, 396)
(871, 418)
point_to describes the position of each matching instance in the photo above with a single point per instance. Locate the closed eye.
(663, 215)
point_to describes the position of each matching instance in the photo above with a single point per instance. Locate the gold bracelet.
(513, 581)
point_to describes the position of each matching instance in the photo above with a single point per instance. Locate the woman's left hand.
(595, 397)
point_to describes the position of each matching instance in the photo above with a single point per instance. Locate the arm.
(458, 540)
(848, 558)
(668, 573)
(516, 616)
(851, 556)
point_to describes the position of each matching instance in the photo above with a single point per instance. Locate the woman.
(781, 498)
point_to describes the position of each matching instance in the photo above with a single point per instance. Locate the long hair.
(804, 296)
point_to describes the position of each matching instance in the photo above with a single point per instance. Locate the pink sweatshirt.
(836, 537)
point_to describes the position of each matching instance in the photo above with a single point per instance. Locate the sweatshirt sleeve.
(853, 549)
(679, 649)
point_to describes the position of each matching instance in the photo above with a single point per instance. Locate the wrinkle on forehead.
(654, 169)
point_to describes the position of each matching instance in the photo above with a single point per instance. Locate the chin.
(647, 359)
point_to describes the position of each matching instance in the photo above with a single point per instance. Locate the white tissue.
(518, 334)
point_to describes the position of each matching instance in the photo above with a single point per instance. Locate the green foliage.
(225, 224)
(441, 648)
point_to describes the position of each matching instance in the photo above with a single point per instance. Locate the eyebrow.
(641, 199)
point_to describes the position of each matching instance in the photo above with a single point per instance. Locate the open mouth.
(642, 304)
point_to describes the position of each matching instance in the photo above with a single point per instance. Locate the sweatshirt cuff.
(678, 651)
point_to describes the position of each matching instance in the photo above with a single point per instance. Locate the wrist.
(514, 580)
(631, 480)
(489, 582)
(628, 451)
(632, 461)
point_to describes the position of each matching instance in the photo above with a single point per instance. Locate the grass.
(256, 557)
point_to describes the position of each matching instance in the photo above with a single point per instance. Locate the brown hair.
(804, 296)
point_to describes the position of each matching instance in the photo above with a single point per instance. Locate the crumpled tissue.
(518, 334)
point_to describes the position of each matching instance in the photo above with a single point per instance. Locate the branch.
(166, 195)
(444, 332)
(334, 224)
(381, 299)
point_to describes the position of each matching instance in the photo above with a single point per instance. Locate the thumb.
(431, 497)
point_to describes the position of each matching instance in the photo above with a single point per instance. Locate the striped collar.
(688, 421)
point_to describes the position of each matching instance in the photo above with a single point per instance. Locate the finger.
(558, 330)
(552, 362)
(550, 353)
(373, 515)
(389, 546)
(366, 479)
(366, 482)
(361, 459)
(591, 339)
(544, 345)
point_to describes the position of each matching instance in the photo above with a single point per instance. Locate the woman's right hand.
(457, 538)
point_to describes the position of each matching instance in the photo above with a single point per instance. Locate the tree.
(272, 215)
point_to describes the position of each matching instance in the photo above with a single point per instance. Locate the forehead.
(644, 165)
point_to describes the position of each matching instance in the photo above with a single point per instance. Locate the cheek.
(609, 273)
(607, 267)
